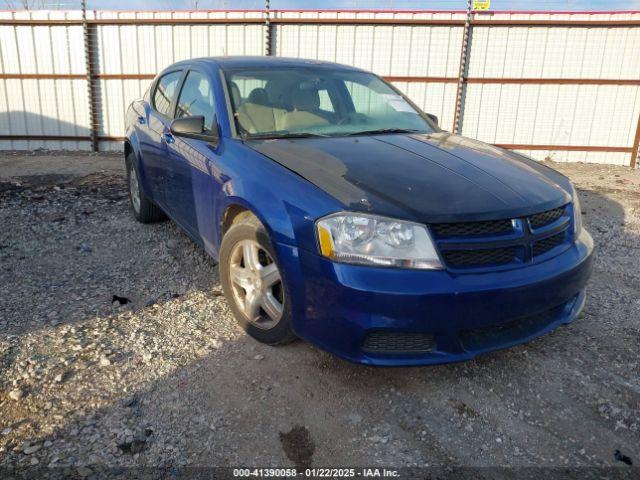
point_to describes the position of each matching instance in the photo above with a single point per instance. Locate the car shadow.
(184, 387)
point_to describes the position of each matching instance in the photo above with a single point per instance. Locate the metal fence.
(564, 86)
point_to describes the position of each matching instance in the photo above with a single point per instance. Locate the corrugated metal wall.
(555, 114)
(527, 85)
(50, 107)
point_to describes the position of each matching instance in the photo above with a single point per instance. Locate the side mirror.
(432, 117)
(193, 127)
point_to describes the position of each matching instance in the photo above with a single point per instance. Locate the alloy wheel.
(256, 283)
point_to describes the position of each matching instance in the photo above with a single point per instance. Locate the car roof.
(261, 62)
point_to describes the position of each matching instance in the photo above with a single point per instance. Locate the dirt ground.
(117, 349)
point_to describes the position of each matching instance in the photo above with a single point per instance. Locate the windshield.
(306, 101)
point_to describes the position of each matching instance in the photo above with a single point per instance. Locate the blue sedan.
(342, 214)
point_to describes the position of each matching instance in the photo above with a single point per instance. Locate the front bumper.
(336, 306)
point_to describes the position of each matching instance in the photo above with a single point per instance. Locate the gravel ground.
(117, 349)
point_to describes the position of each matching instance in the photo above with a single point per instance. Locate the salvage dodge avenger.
(342, 214)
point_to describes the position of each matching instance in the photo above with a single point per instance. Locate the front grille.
(499, 242)
(487, 256)
(487, 337)
(545, 218)
(398, 342)
(548, 243)
(472, 229)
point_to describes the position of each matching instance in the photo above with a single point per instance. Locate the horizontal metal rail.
(434, 22)
(568, 148)
(556, 81)
(390, 78)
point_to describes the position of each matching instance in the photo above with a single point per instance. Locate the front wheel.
(253, 282)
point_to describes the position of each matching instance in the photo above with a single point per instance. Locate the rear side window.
(196, 98)
(166, 92)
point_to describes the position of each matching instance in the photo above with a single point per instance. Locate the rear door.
(155, 154)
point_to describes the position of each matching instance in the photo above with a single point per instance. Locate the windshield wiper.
(384, 130)
(268, 135)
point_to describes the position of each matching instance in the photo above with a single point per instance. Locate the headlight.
(372, 240)
(577, 213)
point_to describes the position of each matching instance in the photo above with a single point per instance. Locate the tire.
(255, 285)
(143, 209)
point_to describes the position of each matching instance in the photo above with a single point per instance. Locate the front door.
(192, 187)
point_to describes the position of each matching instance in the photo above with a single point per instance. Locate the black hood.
(435, 177)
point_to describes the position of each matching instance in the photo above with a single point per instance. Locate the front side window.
(165, 93)
(369, 102)
(298, 101)
(196, 98)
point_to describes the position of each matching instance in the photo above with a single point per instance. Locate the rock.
(130, 402)
(621, 457)
(47, 444)
(120, 300)
(31, 449)
(34, 461)
(146, 357)
(151, 302)
(84, 472)
(16, 394)
(7, 431)
(134, 446)
(258, 357)
(84, 248)
(104, 361)
(354, 418)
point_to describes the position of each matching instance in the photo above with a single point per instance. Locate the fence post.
(91, 91)
(462, 73)
(267, 28)
(636, 146)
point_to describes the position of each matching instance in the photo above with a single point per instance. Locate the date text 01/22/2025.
(316, 472)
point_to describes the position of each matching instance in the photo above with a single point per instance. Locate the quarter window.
(325, 101)
(196, 98)
(165, 93)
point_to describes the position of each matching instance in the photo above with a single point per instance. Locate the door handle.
(141, 120)
(168, 138)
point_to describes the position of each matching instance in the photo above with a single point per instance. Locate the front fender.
(285, 203)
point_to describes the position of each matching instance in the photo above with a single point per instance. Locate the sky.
(554, 5)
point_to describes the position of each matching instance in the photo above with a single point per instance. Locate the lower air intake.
(490, 336)
(398, 342)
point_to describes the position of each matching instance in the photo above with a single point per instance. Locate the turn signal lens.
(326, 243)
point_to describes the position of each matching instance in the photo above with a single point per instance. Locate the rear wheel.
(253, 282)
(143, 209)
